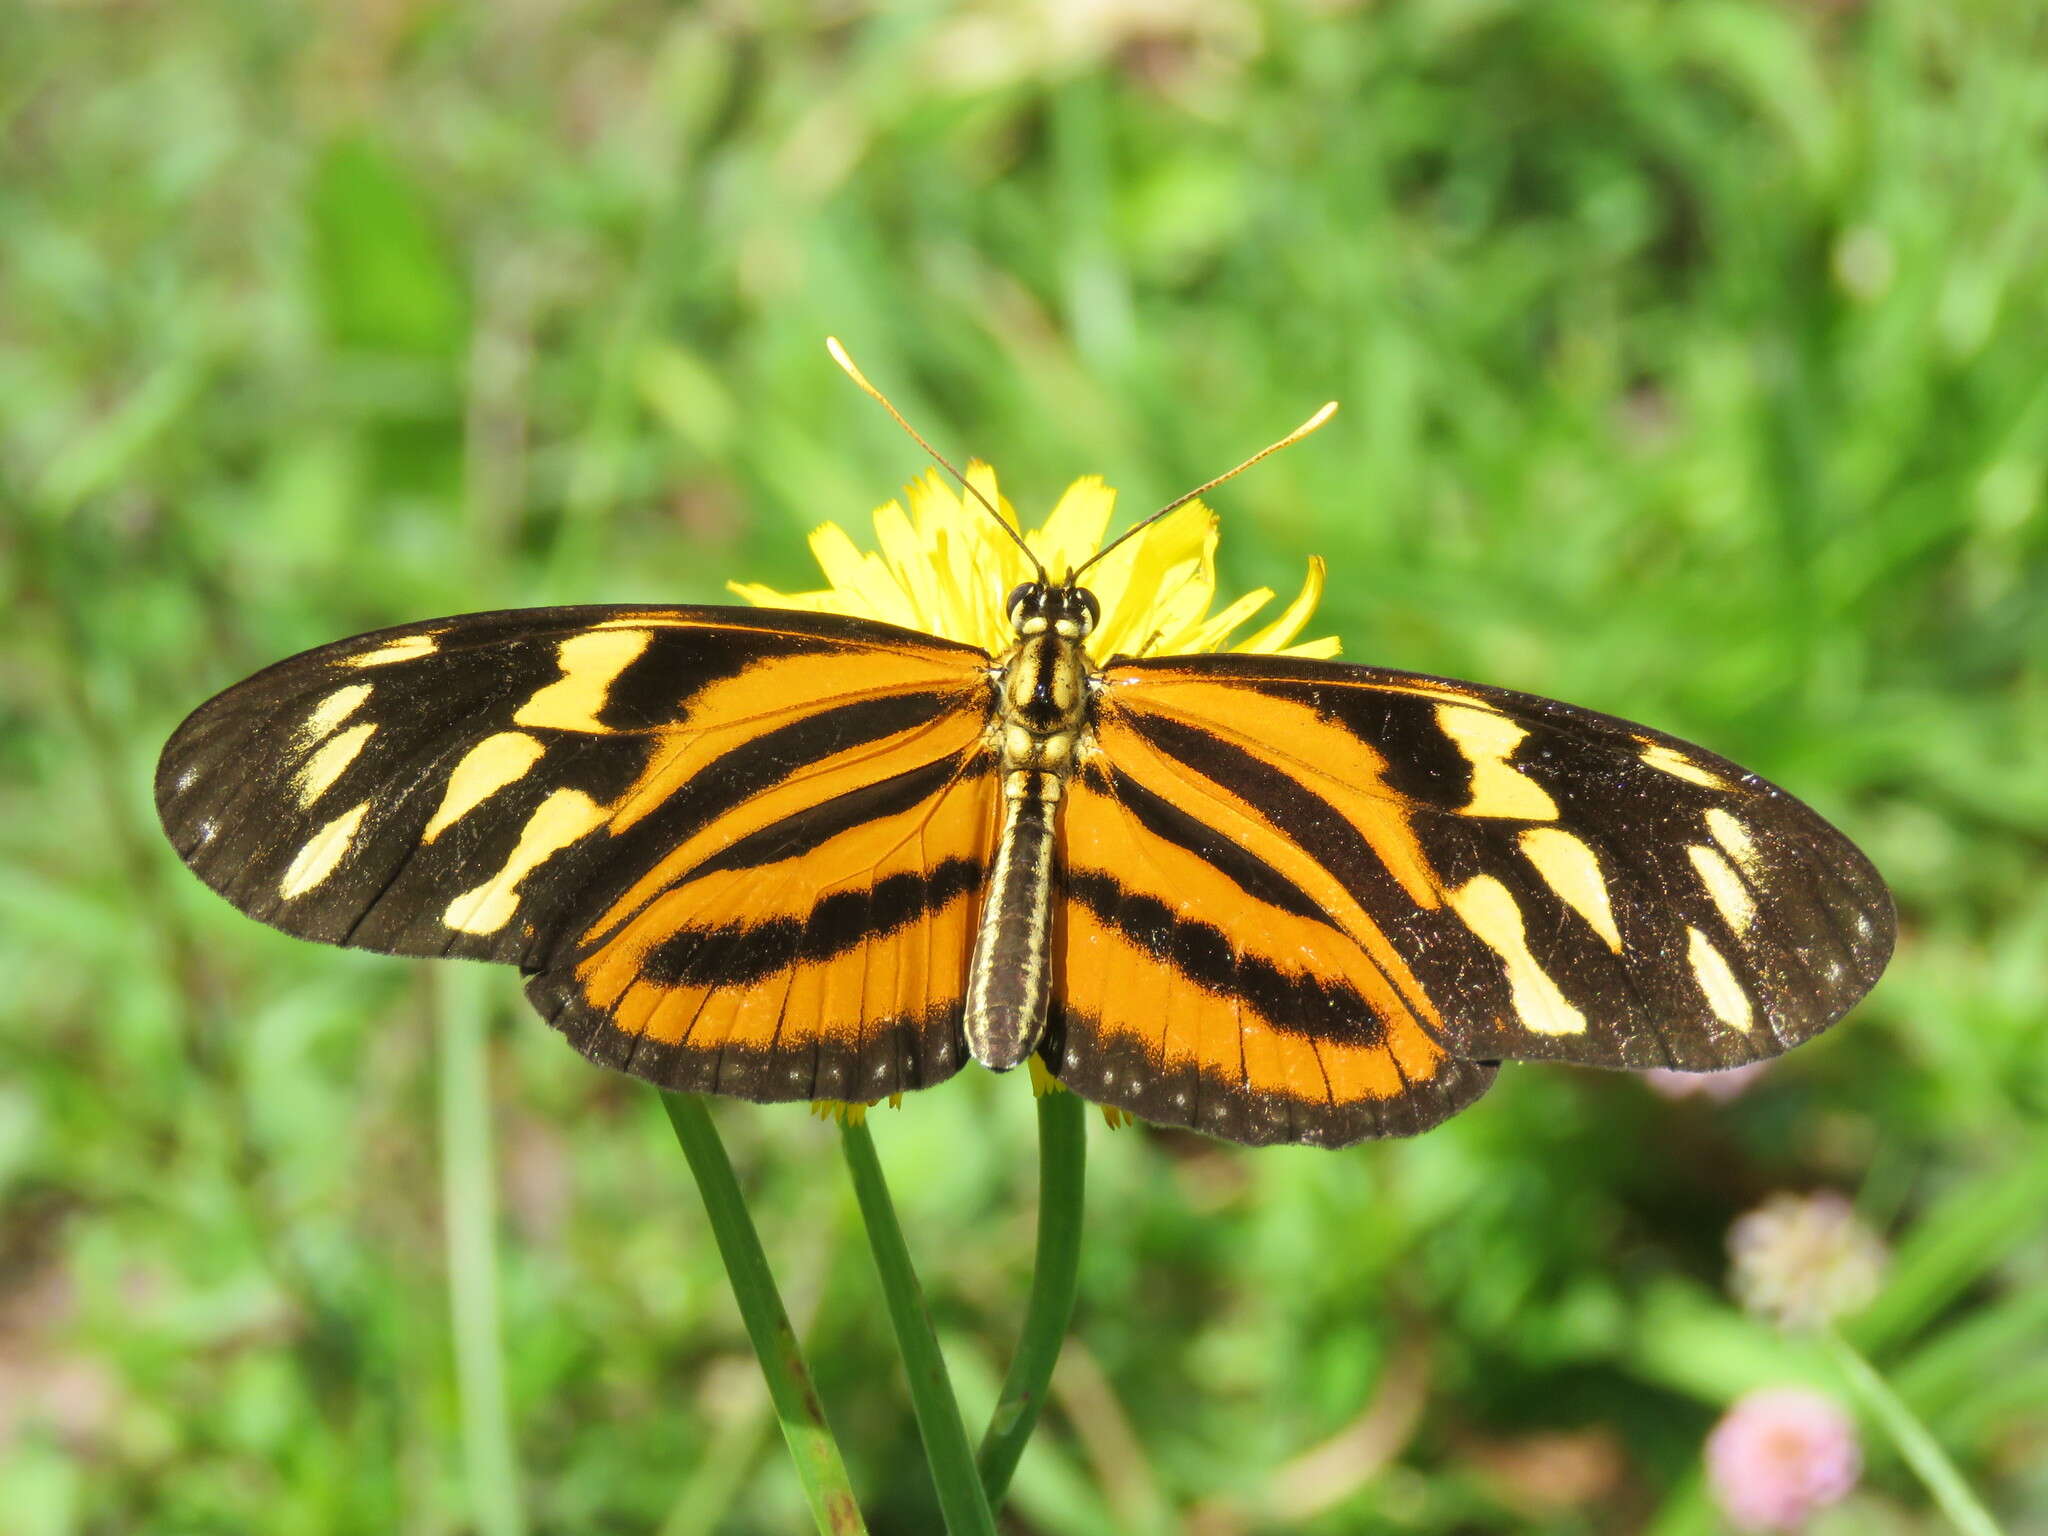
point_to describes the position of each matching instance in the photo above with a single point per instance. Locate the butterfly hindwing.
(1200, 982)
(584, 791)
(819, 953)
(1480, 872)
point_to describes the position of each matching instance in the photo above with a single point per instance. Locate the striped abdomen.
(1010, 979)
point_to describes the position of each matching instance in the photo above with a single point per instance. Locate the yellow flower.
(943, 567)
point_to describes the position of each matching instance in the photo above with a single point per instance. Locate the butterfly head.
(1058, 608)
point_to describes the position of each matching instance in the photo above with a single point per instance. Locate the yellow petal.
(985, 564)
(860, 575)
(1184, 594)
(1075, 529)
(932, 502)
(1152, 585)
(1184, 532)
(954, 591)
(903, 552)
(1210, 634)
(1324, 649)
(902, 545)
(1279, 635)
(983, 478)
(768, 597)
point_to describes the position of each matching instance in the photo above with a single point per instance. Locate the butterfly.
(789, 855)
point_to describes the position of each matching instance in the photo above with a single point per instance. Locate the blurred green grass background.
(1693, 363)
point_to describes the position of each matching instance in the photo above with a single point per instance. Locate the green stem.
(1922, 1452)
(961, 1501)
(797, 1408)
(1062, 1175)
(470, 1216)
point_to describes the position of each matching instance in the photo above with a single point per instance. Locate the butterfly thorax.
(1038, 730)
(1042, 683)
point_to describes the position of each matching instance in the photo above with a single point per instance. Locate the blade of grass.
(961, 1500)
(1923, 1453)
(797, 1406)
(727, 1459)
(1059, 1496)
(1062, 1176)
(1960, 1240)
(470, 1216)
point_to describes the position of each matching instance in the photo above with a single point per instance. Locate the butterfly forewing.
(735, 847)
(1408, 868)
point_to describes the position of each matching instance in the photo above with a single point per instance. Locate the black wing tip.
(1788, 1016)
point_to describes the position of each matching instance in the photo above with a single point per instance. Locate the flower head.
(1804, 1260)
(944, 567)
(1779, 1456)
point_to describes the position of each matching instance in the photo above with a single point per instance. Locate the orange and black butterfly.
(789, 855)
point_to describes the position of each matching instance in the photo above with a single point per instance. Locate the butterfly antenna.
(1178, 502)
(839, 356)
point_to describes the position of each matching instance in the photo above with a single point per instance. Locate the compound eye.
(1091, 611)
(1013, 604)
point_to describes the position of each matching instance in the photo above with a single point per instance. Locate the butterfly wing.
(733, 849)
(1310, 901)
